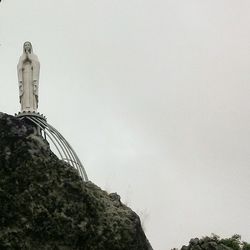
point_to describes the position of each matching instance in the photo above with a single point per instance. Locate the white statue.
(28, 69)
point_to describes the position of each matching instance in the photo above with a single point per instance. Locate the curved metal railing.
(64, 149)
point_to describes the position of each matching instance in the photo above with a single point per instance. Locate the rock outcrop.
(44, 204)
(216, 243)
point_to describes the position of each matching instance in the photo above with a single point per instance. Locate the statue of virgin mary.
(28, 69)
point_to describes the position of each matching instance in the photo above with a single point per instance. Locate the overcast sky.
(154, 96)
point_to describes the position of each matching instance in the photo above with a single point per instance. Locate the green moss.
(46, 205)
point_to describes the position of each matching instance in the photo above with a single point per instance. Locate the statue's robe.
(28, 76)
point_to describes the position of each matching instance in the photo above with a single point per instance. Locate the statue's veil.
(30, 47)
(33, 57)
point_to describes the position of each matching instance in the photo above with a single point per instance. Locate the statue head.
(27, 47)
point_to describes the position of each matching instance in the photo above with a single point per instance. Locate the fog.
(154, 98)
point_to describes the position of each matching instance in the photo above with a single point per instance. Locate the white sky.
(154, 98)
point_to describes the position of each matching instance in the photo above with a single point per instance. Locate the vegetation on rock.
(44, 204)
(216, 243)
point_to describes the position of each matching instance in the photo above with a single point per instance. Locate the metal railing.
(64, 149)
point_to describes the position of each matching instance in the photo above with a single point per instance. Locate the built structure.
(28, 70)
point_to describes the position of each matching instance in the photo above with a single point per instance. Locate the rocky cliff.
(214, 242)
(44, 204)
